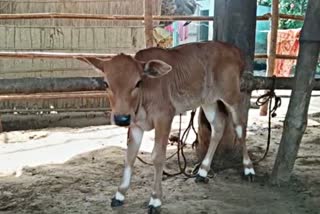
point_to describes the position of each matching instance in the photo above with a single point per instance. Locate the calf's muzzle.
(122, 119)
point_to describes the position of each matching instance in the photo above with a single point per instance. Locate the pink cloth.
(169, 28)
(182, 30)
(287, 44)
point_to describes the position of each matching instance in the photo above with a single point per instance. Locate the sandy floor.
(77, 171)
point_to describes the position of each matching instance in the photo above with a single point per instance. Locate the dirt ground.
(84, 178)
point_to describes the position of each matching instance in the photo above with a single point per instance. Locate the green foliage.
(290, 7)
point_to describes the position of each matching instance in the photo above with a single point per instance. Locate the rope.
(264, 99)
(181, 143)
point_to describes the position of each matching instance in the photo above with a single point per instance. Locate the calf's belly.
(186, 103)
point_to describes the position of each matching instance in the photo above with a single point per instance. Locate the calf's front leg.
(162, 130)
(135, 135)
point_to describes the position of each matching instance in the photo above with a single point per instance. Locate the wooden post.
(148, 24)
(297, 115)
(272, 47)
(235, 23)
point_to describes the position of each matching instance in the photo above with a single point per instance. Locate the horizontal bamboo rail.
(68, 119)
(55, 95)
(126, 17)
(93, 87)
(281, 16)
(44, 110)
(61, 55)
(18, 54)
(278, 56)
(293, 17)
(52, 55)
(100, 17)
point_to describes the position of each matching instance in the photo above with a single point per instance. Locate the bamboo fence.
(148, 19)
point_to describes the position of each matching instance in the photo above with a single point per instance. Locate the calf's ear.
(156, 68)
(97, 63)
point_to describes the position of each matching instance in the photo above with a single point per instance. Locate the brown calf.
(147, 91)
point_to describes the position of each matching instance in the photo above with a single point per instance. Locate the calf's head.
(123, 78)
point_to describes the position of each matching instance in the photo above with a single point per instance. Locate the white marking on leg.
(211, 116)
(202, 172)
(239, 131)
(112, 119)
(205, 162)
(126, 178)
(137, 135)
(247, 162)
(119, 196)
(155, 202)
(249, 171)
(210, 112)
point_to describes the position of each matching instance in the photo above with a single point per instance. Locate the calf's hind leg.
(217, 123)
(234, 109)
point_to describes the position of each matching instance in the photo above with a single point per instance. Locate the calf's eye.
(106, 84)
(138, 84)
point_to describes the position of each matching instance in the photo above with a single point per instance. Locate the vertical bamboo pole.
(148, 23)
(1, 129)
(272, 47)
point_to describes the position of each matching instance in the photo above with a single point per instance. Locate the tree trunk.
(235, 23)
(297, 115)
